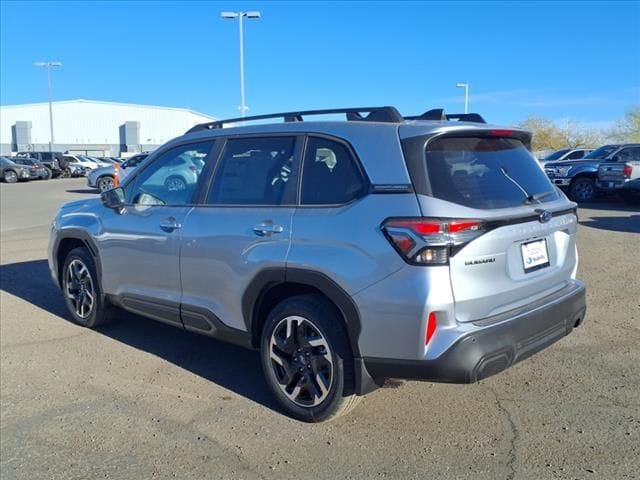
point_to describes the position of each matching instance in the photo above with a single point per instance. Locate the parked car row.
(608, 169)
(46, 165)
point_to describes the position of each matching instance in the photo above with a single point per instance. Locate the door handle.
(170, 224)
(266, 228)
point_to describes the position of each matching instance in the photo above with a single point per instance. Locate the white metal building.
(93, 127)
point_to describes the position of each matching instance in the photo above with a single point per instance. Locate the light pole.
(240, 16)
(466, 95)
(48, 65)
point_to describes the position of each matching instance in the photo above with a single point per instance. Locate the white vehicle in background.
(565, 154)
(81, 164)
(102, 178)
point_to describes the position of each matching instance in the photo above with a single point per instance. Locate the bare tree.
(627, 129)
(547, 135)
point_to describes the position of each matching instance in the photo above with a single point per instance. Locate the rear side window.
(331, 175)
(256, 171)
(485, 172)
(575, 155)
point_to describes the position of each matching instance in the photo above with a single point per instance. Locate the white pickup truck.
(622, 176)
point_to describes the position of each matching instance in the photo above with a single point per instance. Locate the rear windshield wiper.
(528, 198)
(539, 196)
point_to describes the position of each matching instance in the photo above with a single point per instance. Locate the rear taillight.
(626, 170)
(424, 241)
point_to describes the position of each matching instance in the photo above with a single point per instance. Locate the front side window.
(486, 172)
(330, 175)
(134, 161)
(173, 177)
(256, 171)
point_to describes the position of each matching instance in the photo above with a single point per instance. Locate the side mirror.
(113, 198)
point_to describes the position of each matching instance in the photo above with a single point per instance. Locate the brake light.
(425, 241)
(626, 170)
(431, 327)
(501, 133)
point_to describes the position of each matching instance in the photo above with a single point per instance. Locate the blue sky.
(555, 59)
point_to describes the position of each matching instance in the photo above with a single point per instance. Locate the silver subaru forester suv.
(347, 252)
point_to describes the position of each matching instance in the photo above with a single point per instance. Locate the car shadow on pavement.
(84, 191)
(609, 204)
(234, 368)
(629, 224)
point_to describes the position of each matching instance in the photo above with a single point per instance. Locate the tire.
(79, 283)
(49, 173)
(302, 329)
(583, 189)
(105, 183)
(175, 184)
(10, 176)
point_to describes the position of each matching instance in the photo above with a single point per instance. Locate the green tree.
(627, 129)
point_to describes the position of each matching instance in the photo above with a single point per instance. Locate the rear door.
(524, 247)
(242, 228)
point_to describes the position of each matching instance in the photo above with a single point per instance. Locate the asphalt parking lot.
(138, 399)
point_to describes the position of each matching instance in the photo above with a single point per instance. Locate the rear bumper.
(496, 345)
(611, 185)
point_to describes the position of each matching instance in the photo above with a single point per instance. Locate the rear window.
(486, 172)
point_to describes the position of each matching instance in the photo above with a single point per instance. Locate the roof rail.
(375, 114)
(439, 114)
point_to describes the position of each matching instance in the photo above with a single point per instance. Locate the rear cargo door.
(525, 246)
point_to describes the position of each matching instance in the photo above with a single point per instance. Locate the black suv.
(52, 161)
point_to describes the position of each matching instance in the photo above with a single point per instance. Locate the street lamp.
(240, 16)
(48, 66)
(466, 95)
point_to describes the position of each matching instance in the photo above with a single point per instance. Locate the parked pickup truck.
(578, 177)
(621, 178)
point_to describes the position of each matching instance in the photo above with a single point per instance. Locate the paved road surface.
(138, 399)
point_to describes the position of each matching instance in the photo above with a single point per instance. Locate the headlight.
(563, 171)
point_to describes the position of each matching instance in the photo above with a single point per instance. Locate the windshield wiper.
(528, 198)
(539, 196)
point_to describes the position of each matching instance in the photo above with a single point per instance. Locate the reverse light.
(431, 327)
(425, 241)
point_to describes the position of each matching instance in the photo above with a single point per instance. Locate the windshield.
(486, 172)
(602, 152)
(555, 155)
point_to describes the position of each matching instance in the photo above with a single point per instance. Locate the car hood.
(573, 163)
(77, 205)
